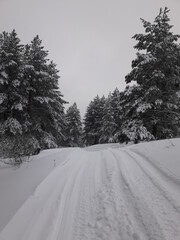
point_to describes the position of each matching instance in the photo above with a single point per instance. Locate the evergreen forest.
(32, 107)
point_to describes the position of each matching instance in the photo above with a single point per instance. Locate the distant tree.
(89, 122)
(109, 126)
(93, 121)
(154, 102)
(116, 109)
(73, 126)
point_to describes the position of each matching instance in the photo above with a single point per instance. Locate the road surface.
(108, 194)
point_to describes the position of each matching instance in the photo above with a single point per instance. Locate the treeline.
(149, 109)
(32, 114)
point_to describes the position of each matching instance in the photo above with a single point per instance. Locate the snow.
(178, 94)
(18, 183)
(158, 102)
(4, 74)
(129, 90)
(30, 67)
(18, 107)
(143, 107)
(107, 191)
(16, 83)
(13, 125)
(12, 63)
(158, 74)
(43, 99)
(2, 97)
(145, 58)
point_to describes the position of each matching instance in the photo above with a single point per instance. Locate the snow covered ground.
(107, 192)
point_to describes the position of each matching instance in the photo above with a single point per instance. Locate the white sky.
(89, 40)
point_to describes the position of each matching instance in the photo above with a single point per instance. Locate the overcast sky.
(89, 40)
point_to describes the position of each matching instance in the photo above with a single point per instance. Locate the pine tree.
(73, 126)
(44, 101)
(132, 128)
(11, 84)
(109, 126)
(31, 105)
(93, 120)
(155, 101)
(89, 122)
(116, 111)
(13, 125)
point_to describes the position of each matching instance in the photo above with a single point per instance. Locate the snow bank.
(18, 183)
(165, 154)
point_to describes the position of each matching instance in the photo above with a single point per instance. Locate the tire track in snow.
(110, 217)
(105, 212)
(67, 205)
(164, 172)
(94, 177)
(148, 192)
(88, 186)
(137, 221)
(168, 187)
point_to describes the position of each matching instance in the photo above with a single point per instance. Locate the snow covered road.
(110, 193)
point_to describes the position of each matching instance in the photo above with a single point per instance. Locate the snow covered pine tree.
(73, 126)
(108, 126)
(116, 108)
(44, 101)
(154, 101)
(11, 86)
(93, 121)
(31, 105)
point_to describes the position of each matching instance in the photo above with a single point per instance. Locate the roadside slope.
(18, 183)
